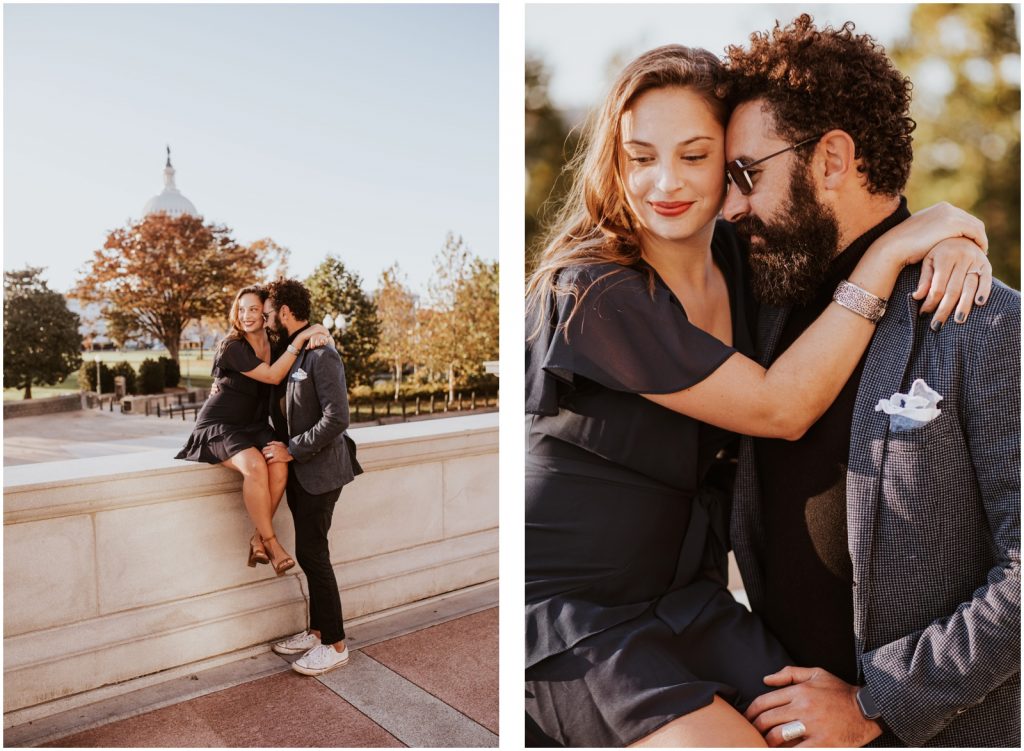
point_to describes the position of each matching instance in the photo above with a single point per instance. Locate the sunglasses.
(737, 173)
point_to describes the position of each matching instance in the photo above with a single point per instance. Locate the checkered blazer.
(934, 524)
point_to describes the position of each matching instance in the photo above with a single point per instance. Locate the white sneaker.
(293, 645)
(320, 659)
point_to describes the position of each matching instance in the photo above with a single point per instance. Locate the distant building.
(170, 201)
(93, 328)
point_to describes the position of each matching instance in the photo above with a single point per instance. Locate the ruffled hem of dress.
(557, 624)
(197, 449)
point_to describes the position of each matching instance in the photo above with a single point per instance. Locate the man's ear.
(840, 163)
(281, 310)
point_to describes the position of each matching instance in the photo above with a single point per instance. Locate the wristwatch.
(867, 705)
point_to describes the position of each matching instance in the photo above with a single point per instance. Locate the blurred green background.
(964, 60)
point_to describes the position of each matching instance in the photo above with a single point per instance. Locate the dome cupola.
(170, 201)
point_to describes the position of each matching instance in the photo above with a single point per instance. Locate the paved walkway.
(87, 433)
(426, 676)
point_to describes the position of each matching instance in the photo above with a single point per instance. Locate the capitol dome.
(170, 201)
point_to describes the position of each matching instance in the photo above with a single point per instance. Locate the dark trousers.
(312, 515)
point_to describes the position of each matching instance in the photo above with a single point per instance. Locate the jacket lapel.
(290, 388)
(883, 375)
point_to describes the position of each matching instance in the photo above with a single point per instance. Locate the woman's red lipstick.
(671, 208)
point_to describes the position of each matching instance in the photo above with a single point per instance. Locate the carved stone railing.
(123, 566)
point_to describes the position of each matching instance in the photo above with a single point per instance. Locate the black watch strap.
(867, 705)
(868, 708)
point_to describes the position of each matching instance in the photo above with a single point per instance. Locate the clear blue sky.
(364, 131)
(578, 42)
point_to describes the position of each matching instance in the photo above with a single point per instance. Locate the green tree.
(42, 345)
(152, 376)
(125, 370)
(396, 317)
(463, 323)
(87, 377)
(157, 274)
(333, 289)
(965, 61)
(549, 145)
(477, 302)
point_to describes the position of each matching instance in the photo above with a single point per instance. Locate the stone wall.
(120, 567)
(45, 406)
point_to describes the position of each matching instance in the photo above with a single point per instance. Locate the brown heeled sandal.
(257, 552)
(284, 564)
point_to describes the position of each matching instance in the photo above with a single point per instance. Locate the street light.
(338, 322)
(99, 384)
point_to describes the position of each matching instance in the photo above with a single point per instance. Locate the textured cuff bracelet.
(860, 301)
(293, 351)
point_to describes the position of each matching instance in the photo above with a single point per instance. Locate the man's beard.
(276, 333)
(789, 257)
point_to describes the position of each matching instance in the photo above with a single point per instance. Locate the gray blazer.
(316, 409)
(934, 524)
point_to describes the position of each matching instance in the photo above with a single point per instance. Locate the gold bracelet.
(860, 301)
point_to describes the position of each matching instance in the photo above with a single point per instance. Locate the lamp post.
(99, 383)
(337, 322)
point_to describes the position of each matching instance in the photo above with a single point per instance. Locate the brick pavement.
(432, 686)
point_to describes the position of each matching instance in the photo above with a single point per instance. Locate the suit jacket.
(316, 410)
(933, 517)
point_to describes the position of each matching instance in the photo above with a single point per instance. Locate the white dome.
(170, 201)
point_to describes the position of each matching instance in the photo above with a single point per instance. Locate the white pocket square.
(299, 375)
(913, 410)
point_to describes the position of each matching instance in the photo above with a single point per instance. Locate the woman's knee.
(250, 463)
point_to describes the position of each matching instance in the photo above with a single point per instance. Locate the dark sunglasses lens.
(738, 175)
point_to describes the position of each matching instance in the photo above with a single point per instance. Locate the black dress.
(234, 418)
(629, 623)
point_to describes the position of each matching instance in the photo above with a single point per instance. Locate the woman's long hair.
(595, 225)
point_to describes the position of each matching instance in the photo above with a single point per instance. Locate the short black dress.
(234, 418)
(629, 623)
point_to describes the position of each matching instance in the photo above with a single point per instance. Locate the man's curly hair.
(818, 80)
(292, 293)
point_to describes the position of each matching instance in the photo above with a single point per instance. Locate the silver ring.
(974, 271)
(793, 730)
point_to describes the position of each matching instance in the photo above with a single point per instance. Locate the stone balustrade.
(123, 566)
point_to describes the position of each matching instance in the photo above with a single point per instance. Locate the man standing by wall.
(309, 411)
(884, 554)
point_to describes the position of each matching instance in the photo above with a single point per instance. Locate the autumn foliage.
(162, 272)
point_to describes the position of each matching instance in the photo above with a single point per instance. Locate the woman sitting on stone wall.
(232, 428)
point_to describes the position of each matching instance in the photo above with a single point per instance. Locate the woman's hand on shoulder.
(320, 340)
(955, 275)
(911, 240)
(317, 336)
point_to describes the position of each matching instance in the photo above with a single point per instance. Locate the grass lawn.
(194, 372)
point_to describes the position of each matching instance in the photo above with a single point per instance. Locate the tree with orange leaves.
(163, 272)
